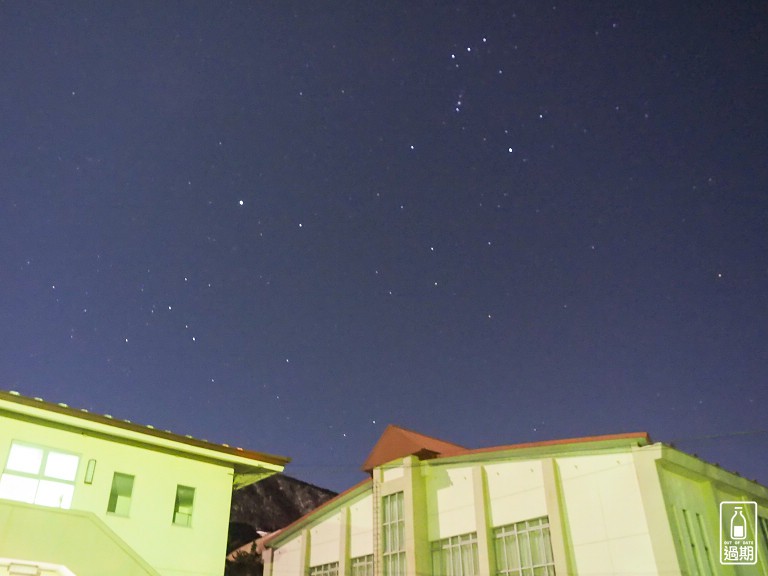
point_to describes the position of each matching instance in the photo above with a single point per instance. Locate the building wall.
(692, 492)
(515, 491)
(289, 560)
(615, 511)
(606, 520)
(361, 527)
(450, 502)
(172, 550)
(325, 541)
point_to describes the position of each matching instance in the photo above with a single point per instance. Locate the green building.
(90, 495)
(597, 506)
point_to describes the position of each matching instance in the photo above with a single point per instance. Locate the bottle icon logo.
(738, 532)
(738, 524)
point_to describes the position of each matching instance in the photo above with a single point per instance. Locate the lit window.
(37, 475)
(393, 535)
(61, 466)
(331, 569)
(182, 510)
(362, 565)
(524, 548)
(120, 494)
(24, 459)
(456, 556)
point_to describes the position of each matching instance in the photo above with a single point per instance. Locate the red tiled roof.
(397, 442)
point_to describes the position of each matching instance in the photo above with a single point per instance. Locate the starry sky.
(285, 225)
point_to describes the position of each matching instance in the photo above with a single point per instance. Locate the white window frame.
(362, 565)
(330, 569)
(456, 556)
(393, 535)
(44, 487)
(519, 533)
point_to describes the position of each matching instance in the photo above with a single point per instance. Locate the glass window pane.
(548, 547)
(182, 512)
(526, 549)
(501, 556)
(18, 488)
(120, 494)
(55, 494)
(537, 549)
(24, 459)
(61, 466)
(513, 551)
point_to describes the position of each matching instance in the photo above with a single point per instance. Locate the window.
(38, 475)
(331, 569)
(120, 494)
(763, 525)
(524, 549)
(456, 556)
(691, 538)
(362, 565)
(393, 535)
(182, 509)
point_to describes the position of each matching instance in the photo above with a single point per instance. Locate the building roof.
(249, 466)
(396, 442)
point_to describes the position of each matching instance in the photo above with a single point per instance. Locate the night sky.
(284, 226)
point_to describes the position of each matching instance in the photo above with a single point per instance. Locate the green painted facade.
(99, 496)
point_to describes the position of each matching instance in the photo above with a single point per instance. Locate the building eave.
(245, 463)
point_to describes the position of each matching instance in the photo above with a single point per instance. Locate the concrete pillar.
(562, 552)
(485, 544)
(652, 496)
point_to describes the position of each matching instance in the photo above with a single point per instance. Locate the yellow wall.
(606, 519)
(516, 492)
(361, 527)
(288, 560)
(324, 541)
(450, 502)
(171, 550)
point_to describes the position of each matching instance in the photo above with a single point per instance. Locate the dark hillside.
(270, 505)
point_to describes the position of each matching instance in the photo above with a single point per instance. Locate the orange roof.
(397, 442)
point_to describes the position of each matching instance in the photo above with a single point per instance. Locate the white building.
(615, 504)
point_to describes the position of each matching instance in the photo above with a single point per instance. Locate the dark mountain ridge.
(270, 505)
